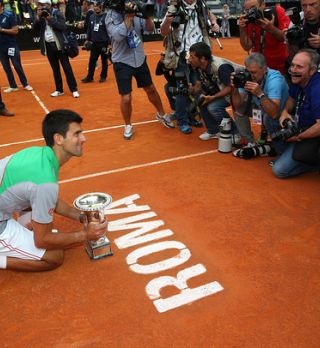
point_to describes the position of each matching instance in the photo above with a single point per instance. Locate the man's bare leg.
(126, 107)
(50, 260)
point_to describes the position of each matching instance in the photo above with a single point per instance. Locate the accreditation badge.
(257, 116)
(11, 51)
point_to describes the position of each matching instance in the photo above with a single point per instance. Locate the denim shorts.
(124, 74)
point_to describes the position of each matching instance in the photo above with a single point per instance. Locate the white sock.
(3, 262)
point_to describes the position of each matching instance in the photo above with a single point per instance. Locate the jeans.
(170, 96)
(244, 127)
(96, 51)
(16, 62)
(285, 166)
(213, 113)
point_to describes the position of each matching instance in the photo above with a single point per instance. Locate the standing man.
(29, 182)
(52, 27)
(264, 35)
(3, 110)
(129, 60)
(9, 50)
(303, 108)
(98, 42)
(186, 22)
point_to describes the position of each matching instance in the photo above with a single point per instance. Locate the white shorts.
(17, 241)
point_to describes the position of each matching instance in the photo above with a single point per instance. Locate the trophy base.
(99, 249)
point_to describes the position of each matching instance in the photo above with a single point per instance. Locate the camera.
(44, 12)
(182, 84)
(258, 150)
(179, 16)
(241, 77)
(296, 36)
(87, 46)
(289, 130)
(141, 8)
(294, 14)
(253, 15)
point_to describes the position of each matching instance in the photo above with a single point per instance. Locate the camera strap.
(299, 103)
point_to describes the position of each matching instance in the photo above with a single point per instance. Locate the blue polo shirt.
(7, 21)
(309, 111)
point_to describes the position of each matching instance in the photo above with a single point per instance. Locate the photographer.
(304, 33)
(186, 22)
(259, 92)
(125, 29)
(262, 30)
(214, 76)
(51, 25)
(97, 43)
(302, 151)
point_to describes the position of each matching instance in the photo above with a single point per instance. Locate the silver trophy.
(93, 205)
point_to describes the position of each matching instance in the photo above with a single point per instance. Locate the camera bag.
(71, 44)
(307, 151)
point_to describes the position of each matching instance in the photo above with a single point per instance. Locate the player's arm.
(64, 209)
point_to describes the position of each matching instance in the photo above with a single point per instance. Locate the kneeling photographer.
(300, 118)
(260, 93)
(97, 43)
(214, 77)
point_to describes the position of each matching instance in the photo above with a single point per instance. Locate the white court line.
(150, 164)
(37, 98)
(86, 131)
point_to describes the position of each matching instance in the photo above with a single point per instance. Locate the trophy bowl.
(93, 205)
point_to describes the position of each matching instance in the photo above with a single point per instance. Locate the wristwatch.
(260, 96)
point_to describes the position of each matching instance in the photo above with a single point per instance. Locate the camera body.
(289, 130)
(182, 84)
(241, 77)
(141, 8)
(296, 36)
(179, 16)
(254, 14)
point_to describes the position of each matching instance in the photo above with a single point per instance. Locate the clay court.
(224, 254)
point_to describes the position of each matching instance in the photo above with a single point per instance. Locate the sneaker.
(56, 94)
(128, 131)
(86, 80)
(10, 89)
(208, 136)
(165, 120)
(185, 129)
(195, 123)
(75, 94)
(28, 88)
(172, 116)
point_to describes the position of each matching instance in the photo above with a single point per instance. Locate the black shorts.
(124, 73)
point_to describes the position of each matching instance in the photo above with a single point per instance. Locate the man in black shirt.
(97, 42)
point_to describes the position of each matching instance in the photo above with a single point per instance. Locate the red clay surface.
(256, 235)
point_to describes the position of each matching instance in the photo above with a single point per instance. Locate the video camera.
(182, 84)
(141, 8)
(241, 77)
(289, 130)
(254, 14)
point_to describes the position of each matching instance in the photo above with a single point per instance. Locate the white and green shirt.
(29, 179)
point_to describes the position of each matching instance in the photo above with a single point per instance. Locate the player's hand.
(95, 230)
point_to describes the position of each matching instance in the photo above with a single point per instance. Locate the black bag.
(307, 151)
(71, 44)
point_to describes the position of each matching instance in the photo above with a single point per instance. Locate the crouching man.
(29, 182)
(302, 110)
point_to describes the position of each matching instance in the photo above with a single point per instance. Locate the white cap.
(44, 2)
